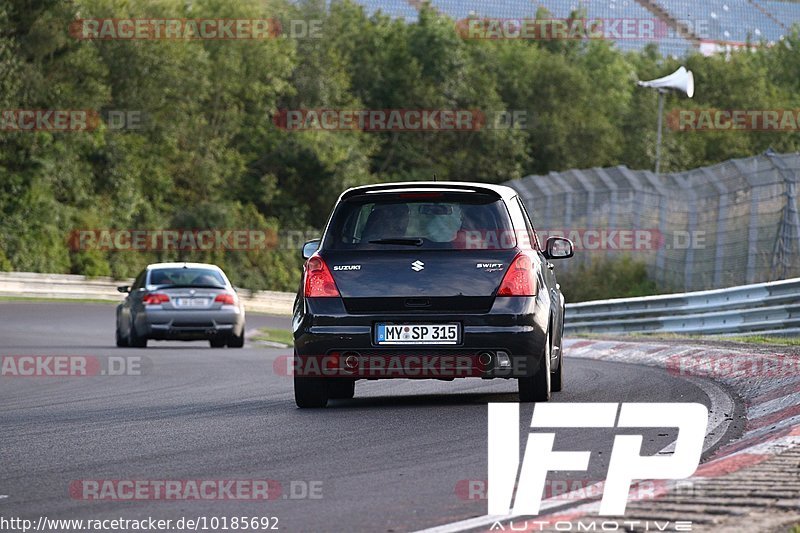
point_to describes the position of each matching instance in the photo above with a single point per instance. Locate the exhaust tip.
(351, 360)
(503, 360)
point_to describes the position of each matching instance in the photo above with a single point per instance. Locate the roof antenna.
(434, 177)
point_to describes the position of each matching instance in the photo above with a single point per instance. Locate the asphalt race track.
(389, 460)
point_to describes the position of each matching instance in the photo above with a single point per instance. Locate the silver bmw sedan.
(180, 301)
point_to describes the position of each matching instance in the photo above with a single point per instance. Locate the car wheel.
(341, 388)
(134, 340)
(122, 342)
(217, 342)
(536, 388)
(236, 341)
(310, 392)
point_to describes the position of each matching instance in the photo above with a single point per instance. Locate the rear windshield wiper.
(407, 242)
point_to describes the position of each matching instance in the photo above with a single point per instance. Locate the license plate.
(191, 302)
(417, 334)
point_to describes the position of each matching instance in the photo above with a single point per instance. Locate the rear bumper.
(165, 324)
(512, 333)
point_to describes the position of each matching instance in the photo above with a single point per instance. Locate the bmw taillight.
(226, 298)
(520, 278)
(155, 298)
(319, 281)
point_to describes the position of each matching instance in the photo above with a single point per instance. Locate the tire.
(236, 341)
(217, 342)
(536, 388)
(310, 392)
(341, 388)
(134, 340)
(556, 378)
(122, 342)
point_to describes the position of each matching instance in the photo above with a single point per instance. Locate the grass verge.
(742, 339)
(281, 336)
(762, 339)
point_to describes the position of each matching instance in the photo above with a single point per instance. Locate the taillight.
(155, 298)
(226, 299)
(520, 278)
(319, 281)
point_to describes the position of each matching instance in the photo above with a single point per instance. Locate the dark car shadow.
(426, 400)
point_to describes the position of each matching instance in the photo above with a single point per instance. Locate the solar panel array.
(730, 20)
(724, 21)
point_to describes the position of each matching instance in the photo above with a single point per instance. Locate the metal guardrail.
(771, 308)
(71, 287)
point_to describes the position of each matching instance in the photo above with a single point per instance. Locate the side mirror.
(309, 248)
(558, 248)
(124, 288)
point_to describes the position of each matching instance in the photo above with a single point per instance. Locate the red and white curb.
(769, 385)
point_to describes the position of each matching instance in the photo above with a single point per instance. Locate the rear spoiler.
(423, 186)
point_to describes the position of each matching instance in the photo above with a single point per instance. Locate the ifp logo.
(626, 463)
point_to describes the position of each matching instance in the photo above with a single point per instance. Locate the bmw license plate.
(191, 302)
(417, 334)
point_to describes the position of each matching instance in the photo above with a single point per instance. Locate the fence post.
(567, 216)
(789, 229)
(691, 226)
(722, 214)
(752, 229)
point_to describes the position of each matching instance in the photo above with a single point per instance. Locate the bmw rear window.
(186, 277)
(421, 221)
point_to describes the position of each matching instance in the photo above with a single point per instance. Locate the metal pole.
(658, 142)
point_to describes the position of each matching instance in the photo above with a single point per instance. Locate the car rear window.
(425, 220)
(186, 277)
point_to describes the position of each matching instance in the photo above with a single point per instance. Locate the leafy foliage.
(607, 278)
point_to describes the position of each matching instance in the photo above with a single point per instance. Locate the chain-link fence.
(730, 224)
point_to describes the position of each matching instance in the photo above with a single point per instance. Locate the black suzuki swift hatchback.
(428, 280)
